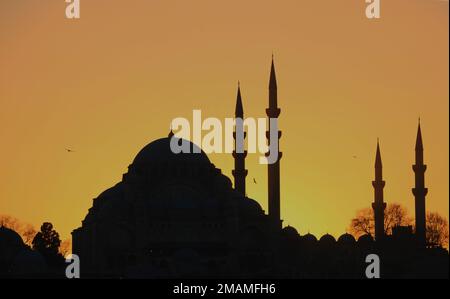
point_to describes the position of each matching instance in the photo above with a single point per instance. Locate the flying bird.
(254, 181)
(69, 150)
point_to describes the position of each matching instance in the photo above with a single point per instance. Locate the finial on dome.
(171, 134)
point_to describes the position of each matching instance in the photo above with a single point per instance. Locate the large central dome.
(159, 151)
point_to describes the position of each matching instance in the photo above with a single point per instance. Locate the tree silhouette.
(436, 229)
(47, 242)
(364, 222)
(395, 215)
(66, 247)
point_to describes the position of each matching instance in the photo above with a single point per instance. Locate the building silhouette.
(177, 216)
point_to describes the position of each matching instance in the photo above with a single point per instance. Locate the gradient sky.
(111, 82)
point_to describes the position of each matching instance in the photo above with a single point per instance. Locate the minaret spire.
(274, 169)
(239, 154)
(273, 77)
(378, 205)
(419, 144)
(239, 112)
(419, 190)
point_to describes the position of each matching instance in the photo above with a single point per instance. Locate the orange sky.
(109, 83)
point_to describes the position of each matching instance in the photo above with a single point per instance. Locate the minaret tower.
(274, 169)
(239, 171)
(378, 205)
(419, 190)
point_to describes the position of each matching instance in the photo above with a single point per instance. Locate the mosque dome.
(160, 152)
(249, 206)
(9, 238)
(346, 239)
(169, 202)
(327, 239)
(365, 240)
(309, 239)
(290, 232)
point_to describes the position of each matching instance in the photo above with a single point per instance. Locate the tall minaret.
(239, 171)
(419, 190)
(274, 169)
(378, 205)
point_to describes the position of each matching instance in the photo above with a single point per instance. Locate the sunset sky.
(109, 83)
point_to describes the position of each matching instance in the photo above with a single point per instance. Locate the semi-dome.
(249, 206)
(160, 152)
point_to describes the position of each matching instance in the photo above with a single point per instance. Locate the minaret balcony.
(280, 154)
(419, 167)
(273, 112)
(420, 191)
(239, 155)
(268, 134)
(378, 184)
(239, 172)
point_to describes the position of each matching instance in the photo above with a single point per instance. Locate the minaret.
(239, 171)
(419, 190)
(378, 205)
(274, 169)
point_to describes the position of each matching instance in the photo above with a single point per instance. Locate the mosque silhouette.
(178, 216)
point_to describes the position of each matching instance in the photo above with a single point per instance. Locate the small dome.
(365, 240)
(10, 238)
(327, 239)
(159, 151)
(309, 239)
(346, 239)
(10, 244)
(290, 232)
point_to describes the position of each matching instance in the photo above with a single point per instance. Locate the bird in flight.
(69, 150)
(254, 181)
(354, 157)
